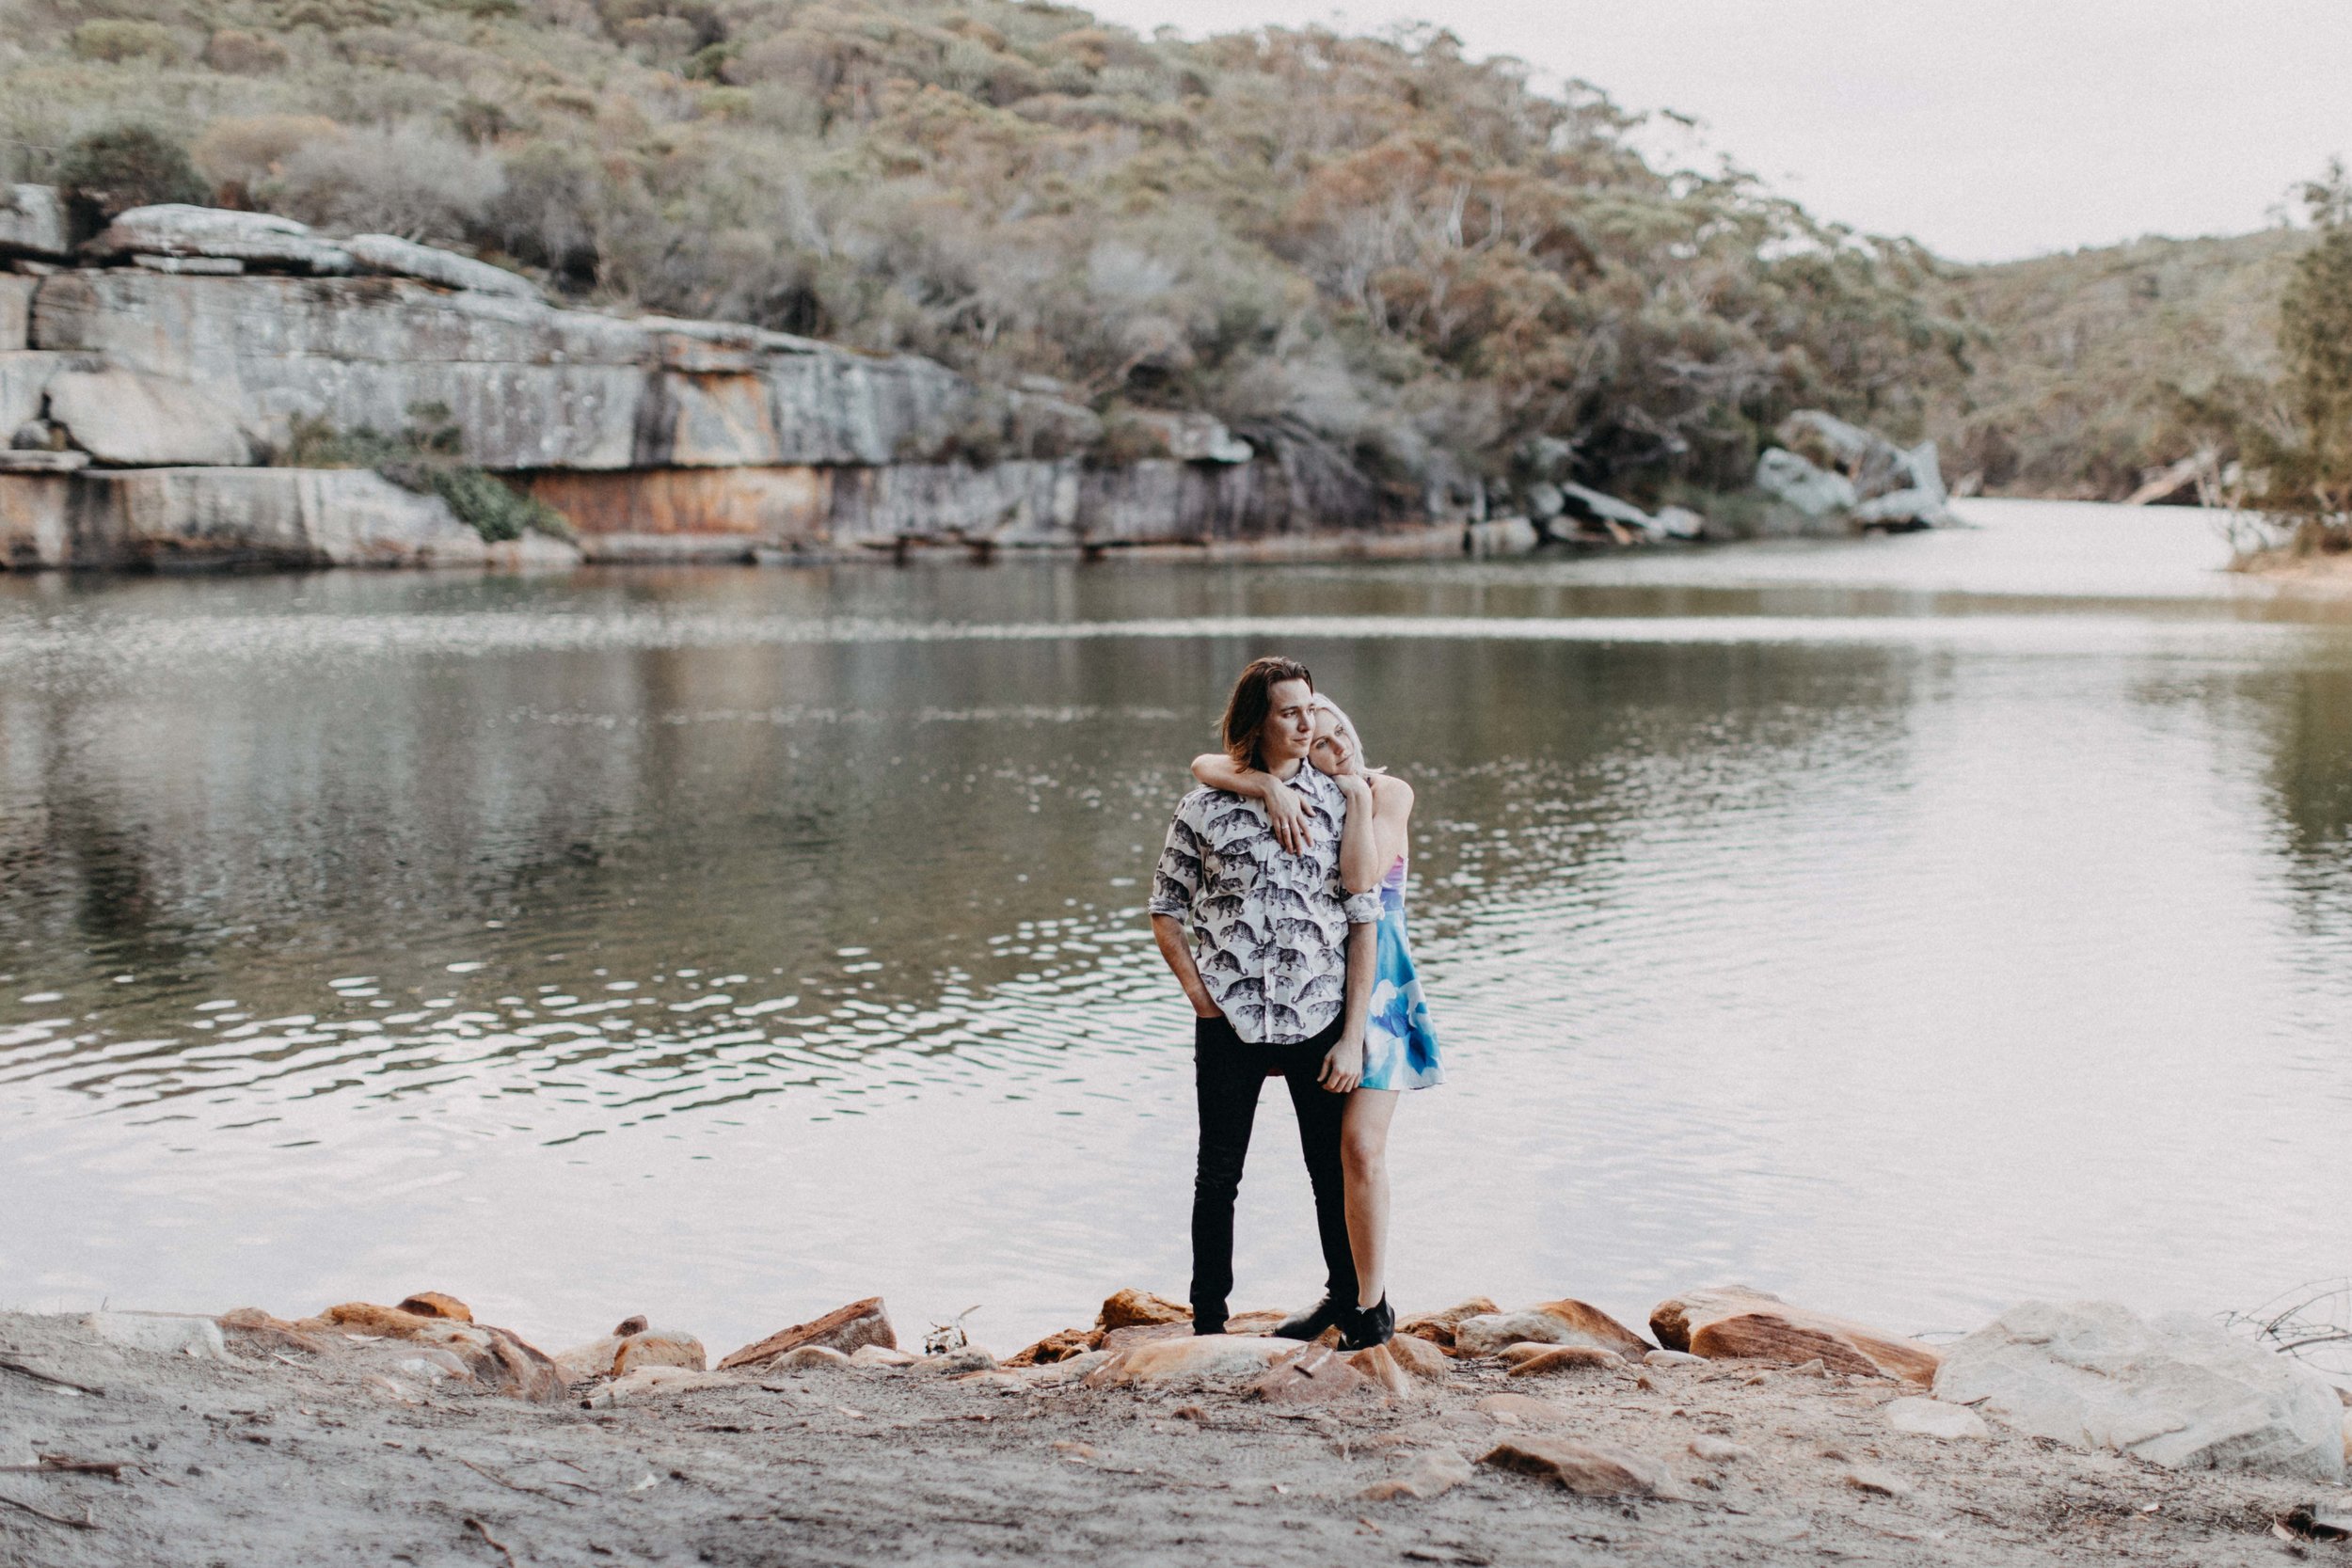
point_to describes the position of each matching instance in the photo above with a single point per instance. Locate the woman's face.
(1330, 750)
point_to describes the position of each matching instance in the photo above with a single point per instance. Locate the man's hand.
(1288, 818)
(1343, 1068)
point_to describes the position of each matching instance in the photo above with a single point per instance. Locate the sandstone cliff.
(154, 396)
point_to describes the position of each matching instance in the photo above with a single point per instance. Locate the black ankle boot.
(1310, 1323)
(1366, 1326)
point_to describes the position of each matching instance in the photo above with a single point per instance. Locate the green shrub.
(427, 458)
(120, 166)
(117, 41)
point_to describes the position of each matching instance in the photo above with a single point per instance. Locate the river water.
(1908, 925)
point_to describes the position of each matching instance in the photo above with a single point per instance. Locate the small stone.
(848, 1329)
(1420, 1357)
(1192, 1359)
(433, 1303)
(627, 1326)
(1437, 1327)
(803, 1358)
(649, 1348)
(1935, 1418)
(877, 1356)
(1557, 1359)
(1432, 1475)
(1131, 1308)
(1879, 1483)
(1720, 1451)
(1735, 1322)
(1059, 1346)
(1814, 1367)
(1075, 1451)
(1587, 1469)
(1673, 1359)
(581, 1363)
(958, 1363)
(1551, 1322)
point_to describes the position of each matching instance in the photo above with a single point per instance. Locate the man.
(1280, 976)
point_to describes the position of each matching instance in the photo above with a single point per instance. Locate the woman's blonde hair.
(1345, 725)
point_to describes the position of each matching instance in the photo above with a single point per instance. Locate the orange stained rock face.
(778, 503)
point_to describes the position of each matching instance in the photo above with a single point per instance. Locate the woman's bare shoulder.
(1390, 793)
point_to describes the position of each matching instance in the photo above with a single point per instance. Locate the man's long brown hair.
(1252, 700)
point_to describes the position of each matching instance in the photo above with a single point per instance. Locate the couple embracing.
(1280, 906)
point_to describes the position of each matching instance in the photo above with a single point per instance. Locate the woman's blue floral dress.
(1400, 1046)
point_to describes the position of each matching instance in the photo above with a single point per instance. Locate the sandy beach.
(242, 1452)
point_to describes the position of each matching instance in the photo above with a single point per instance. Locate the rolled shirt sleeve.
(1176, 883)
(1362, 909)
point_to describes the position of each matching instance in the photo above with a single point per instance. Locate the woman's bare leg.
(1364, 1157)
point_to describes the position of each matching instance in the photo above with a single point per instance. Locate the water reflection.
(1808, 931)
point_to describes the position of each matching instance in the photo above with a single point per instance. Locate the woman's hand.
(1288, 818)
(1343, 1068)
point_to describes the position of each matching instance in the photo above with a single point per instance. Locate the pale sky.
(1990, 130)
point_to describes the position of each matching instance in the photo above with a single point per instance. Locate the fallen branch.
(8, 1364)
(57, 1465)
(54, 1518)
(484, 1530)
(518, 1486)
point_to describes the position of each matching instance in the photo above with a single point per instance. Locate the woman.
(1399, 1050)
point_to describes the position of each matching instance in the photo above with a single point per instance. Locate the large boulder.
(1814, 493)
(33, 223)
(1876, 466)
(1737, 1322)
(1620, 519)
(847, 1329)
(398, 258)
(254, 240)
(129, 420)
(2175, 1390)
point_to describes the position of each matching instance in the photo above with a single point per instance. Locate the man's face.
(1290, 725)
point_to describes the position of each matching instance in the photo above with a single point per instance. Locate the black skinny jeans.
(1227, 1074)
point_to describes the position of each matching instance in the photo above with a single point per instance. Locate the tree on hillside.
(2311, 476)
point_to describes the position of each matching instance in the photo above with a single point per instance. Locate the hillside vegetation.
(1410, 270)
(2091, 368)
(1410, 266)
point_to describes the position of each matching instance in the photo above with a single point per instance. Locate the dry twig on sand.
(83, 1523)
(484, 1530)
(518, 1486)
(2311, 1322)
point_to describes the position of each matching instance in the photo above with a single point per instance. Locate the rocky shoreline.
(196, 388)
(1740, 1427)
